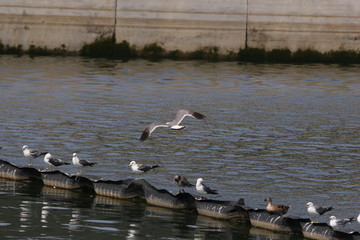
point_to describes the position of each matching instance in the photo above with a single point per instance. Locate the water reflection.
(59, 216)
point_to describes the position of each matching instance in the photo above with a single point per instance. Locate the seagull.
(203, 189)
(54, 162)
(182, 182)
(334, 222)
(316, 211)
(80, 163)
(31, 154)
(174, 124)
(358, 219)
(275, 208)
(141, 168)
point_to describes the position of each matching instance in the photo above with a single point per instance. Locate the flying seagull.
(31, 154)
(174, 124)
(203, 189)
(334, 222)
(141, 168)
(275, 208)
(54, 162)
(80, 163)
(316, 211)
(182, 182)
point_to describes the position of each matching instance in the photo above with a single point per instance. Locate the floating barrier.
(163, 198)
(222, 209)
(122, 189)
(11, 171)
(273, 221)
(324, 231)
(62, 180)
(58, 184)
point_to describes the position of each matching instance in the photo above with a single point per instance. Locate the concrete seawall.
(184, 25)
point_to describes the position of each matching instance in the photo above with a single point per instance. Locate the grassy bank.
(108, 48)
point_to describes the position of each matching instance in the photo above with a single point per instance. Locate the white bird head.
(332, 218)
(309, 204)
(25, 147)
(132, 163)
(199, 181)
(48, 155)
(74, 154)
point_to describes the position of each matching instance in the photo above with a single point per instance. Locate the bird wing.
(186, 183)
(34, 153)
(198, 115)
(321, 210)
(56, 162)
(181, 114)
(85, 162)
(149, 129)
(143, 167)
(209, 190)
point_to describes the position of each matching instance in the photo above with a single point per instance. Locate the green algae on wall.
(108, 48)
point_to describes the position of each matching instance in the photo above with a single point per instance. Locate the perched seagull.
(174, 124)
(334, 222)
(80, 163)
(275, 208)
(203, 189)
(316, 211)
(54, 162)
(31, 154)
(141, 168)
(182, 182)
(358, 219)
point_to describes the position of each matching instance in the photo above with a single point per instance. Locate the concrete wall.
(302, 24)
(54, 23)
(184, 24)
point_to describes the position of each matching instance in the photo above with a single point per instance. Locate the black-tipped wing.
(35, 153)
(86, 163)
(198, 115)
(145, 168)
(185, 183)
(209, 190)
(149, 129)
(321, 210)
(145, 135)
(181, 114)
(57, 162)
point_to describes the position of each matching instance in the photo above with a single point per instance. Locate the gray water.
(290, 132)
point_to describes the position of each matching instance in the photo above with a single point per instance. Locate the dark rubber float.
(273, 221)
(122, 189)
(62, 180)
(132, 188)
(163, 198)
(222, 209)
(11, 171)
(324, 231)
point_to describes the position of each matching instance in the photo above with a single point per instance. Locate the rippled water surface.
(286, 131)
